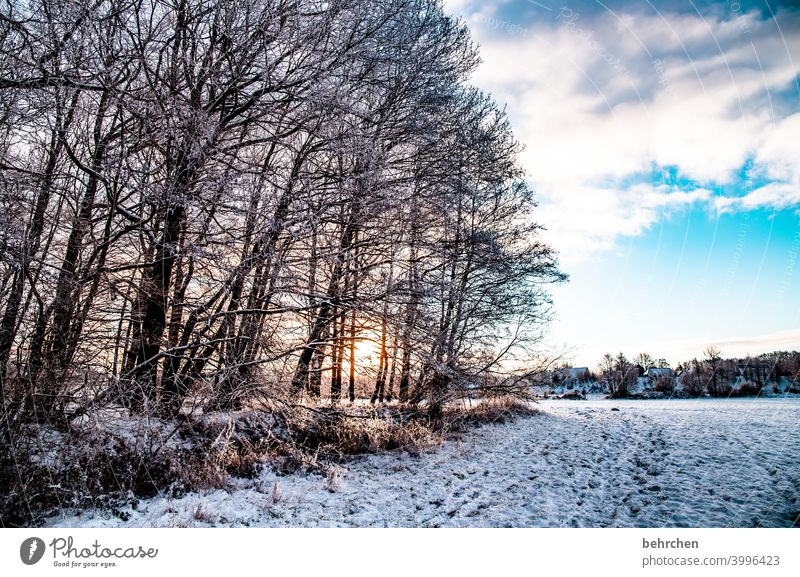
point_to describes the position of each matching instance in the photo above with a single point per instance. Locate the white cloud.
(456, 6)
(779, 152)
(774, 195)
(593, 107)
(682, 350)
(587, 220)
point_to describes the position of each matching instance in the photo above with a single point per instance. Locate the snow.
(661, 463)
(119, 423)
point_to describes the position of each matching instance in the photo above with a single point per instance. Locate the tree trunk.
(383, 359)
(352, 383)
(336, 357)
(392, 373)
(328, 310)
(68, 287)
(153, 291)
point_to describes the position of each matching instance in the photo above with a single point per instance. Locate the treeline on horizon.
(207, 200)
(712, 374)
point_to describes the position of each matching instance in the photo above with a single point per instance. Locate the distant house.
(579, 375)
(756, 371)
(656, 373)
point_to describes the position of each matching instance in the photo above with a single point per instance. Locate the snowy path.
(701, 463)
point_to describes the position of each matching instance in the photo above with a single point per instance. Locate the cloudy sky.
(663, 140)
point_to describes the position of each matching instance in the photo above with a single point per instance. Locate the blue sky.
(663, 140)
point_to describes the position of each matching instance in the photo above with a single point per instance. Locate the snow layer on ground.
(684, 463)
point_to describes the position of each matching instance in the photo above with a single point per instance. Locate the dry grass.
(333, 434)
(139, 457)
(488, 411)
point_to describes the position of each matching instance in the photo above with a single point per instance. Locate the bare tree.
(198, 196)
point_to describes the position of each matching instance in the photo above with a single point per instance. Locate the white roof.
(657, 372)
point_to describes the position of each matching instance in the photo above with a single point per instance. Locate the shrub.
(125, 459)
(719, 388)
(664, 384)
(746, 389)
(488, 411)
(694, 379)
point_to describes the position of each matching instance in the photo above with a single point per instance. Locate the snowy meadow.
(599, 463)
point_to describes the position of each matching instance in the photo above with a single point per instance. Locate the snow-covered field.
(699, 463)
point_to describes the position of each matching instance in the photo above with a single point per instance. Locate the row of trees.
(718, 376)
(198, 195)
(712, 374)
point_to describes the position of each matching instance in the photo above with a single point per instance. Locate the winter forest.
(252, 236)
(207, 203)
(199, 193)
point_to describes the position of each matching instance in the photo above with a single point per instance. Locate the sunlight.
(368, 352)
